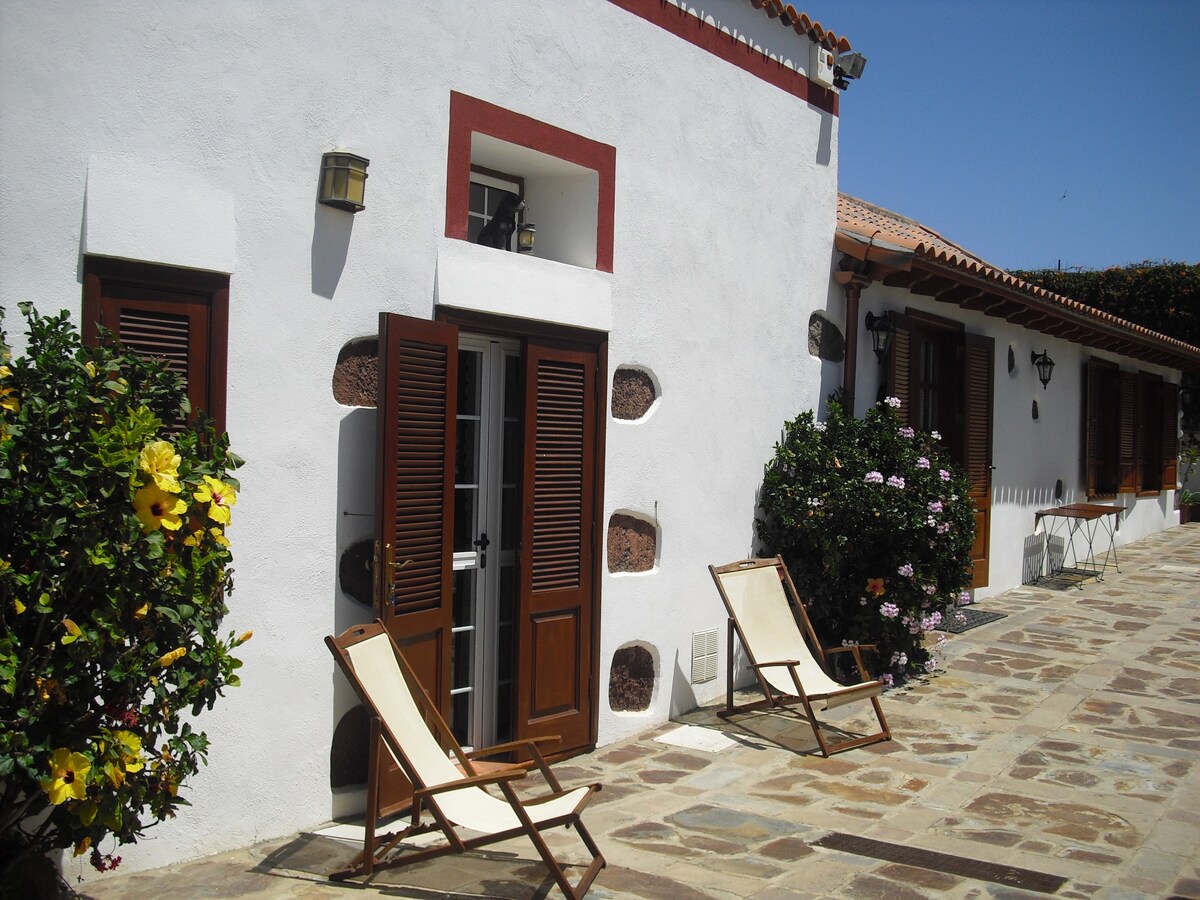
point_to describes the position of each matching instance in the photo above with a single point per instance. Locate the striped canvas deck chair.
(766, 614)
(457, 794)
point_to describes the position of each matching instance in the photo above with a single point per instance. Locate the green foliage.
(876, 528)
(114, 569)
(1162, 296)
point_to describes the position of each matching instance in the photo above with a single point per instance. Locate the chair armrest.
(514, 773)
(850, 649)
(780, 662)
(509, 746)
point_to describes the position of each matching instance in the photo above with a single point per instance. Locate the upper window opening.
(567, 181)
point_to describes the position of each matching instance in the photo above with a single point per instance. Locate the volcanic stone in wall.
(632, 394)
(355, 376)
(632, 544)
(356, 571)
(825, 341)
(631, 680)
(349, 753)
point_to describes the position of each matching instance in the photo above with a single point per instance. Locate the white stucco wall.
(1029, 456)
(725, 199)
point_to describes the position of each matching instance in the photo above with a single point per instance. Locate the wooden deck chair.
(455, 796)
(766, 613)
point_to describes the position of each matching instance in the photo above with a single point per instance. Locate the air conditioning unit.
(820, 64)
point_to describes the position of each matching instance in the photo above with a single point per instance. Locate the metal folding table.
(1083, 519)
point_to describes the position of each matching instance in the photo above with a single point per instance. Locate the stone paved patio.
(1062, 739)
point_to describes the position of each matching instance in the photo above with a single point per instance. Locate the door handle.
(483, 544)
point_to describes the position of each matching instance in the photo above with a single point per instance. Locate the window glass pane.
(512, 384)
(508, 524)
(460, 659)
(474, 227)
(464, 597)
(478, 201)
(511, 454)
(464, 518)
(460, 716)
(504, 717)
(466, 455)
(469, 373)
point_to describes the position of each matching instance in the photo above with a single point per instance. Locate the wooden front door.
(943, 377)
(425, 496)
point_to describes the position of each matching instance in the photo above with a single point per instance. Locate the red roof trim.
(696, 31)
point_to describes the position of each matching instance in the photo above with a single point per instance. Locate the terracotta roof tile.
(884, 228)
(803, 25)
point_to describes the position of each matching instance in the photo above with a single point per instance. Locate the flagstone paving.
(1061, 740)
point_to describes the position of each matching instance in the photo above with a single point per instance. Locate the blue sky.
(1028, 132)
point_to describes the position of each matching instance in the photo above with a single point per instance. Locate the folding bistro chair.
(455, 796)
(765, 612)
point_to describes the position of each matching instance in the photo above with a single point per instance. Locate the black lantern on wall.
(526, 236)
(1045, 366)
(343, 180)
(883, 329)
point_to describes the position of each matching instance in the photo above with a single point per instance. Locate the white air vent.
(704, 656)
(820, 64)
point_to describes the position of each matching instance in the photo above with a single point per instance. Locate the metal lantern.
(525, 237)
(882, 329)
(1045, 366)
(343, 180)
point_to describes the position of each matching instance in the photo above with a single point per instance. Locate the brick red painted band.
(468, 115)
(684, 25)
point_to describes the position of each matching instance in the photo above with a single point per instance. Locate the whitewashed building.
(559, 441)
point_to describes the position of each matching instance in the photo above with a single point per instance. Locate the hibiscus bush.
(114, 572)
(876, 528)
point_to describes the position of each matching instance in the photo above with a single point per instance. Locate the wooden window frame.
(112, 284)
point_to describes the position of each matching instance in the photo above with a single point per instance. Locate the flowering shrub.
(876, 527)
(113, 578)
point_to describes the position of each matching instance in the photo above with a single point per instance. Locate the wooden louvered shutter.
(414, 505)
(899, 368)
(1102, 426)
(175, 314)
(977, 439)
(1127, 433)
(556, 552)
(1170, 435)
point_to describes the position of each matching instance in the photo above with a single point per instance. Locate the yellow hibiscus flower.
(68, 776)
(130, 747)
(155, 509)
(219, 496)
(160, 461)
(174, 656)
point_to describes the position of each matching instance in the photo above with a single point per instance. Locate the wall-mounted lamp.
(525, 237)
(1045, 366)
(882, 329)
(343, 180)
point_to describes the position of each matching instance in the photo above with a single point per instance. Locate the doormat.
(974, 618)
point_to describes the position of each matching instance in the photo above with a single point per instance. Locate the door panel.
(556, 553)
(414, 499)
(556, 648)
(977, 438)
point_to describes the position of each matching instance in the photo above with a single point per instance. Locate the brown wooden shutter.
(899, 368)
(414, 509)
(1127, 433)
(1170, 435)
(557, 537)
(977, 440)
(176, 314)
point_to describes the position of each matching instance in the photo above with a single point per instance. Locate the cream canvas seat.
(453, 789)
(766, 614)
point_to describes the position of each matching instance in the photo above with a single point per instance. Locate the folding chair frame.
(771, 698)
(377, 849)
